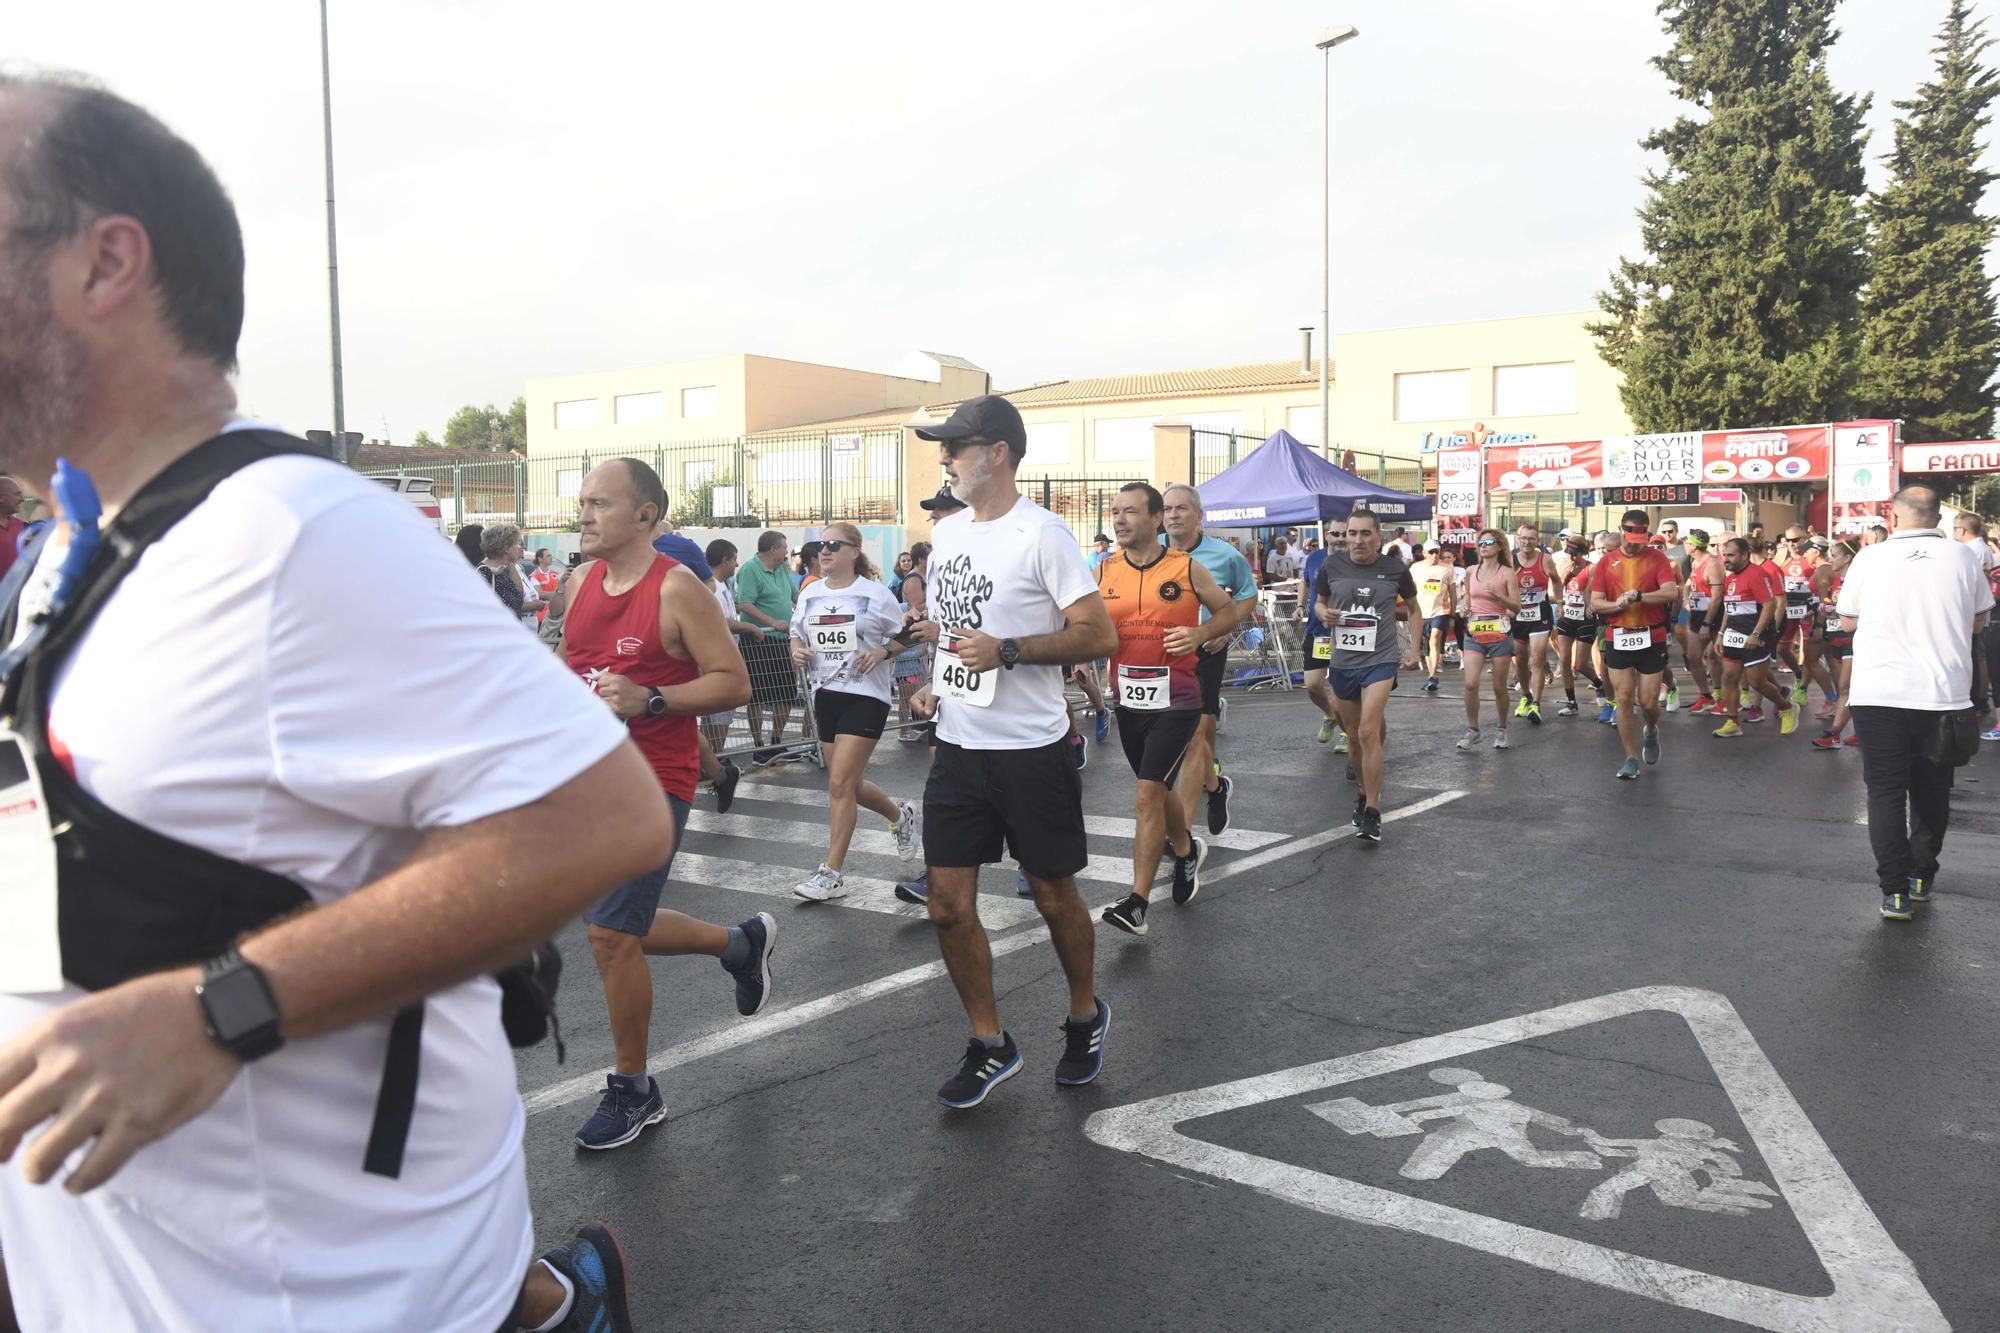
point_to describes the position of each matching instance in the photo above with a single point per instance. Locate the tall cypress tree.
(1930, 336)
(1744, 308)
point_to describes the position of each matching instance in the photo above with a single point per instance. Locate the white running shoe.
(823, 884)
(909, 831)
(1500, 740)
(1469, 741)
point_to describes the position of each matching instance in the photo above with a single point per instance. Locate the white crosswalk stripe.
(872, 865)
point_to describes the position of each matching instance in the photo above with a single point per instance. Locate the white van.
(419, 491)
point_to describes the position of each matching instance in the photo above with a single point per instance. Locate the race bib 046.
(831, 635)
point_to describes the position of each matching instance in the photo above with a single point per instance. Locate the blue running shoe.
(1021, 888)
(753, 978)
(1607, 714)
(594, 1263)
(916, 890)
(981, 1071)
(1083, 1048)
(630, 1103)
(1103, 725)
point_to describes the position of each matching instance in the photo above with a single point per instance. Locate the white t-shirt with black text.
(270, 714)
(1011, 578)
(875, 616)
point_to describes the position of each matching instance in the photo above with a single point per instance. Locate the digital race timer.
(1652, 495)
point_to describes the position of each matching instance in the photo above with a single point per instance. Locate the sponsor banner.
(1863, 461)
(1459, 492)
(1727, 495)
(1847, 517)
(1959, 456)
(1455, 536)
(1776, 455)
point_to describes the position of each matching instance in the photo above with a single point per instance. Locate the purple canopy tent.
(1282, 482)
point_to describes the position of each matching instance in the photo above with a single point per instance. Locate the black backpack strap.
(396, 1101)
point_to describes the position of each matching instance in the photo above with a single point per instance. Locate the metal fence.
(1084, 503)
(773, 481)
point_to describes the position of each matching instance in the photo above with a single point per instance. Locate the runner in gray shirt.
(1357, 593)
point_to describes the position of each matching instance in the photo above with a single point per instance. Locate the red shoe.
(1827, 740)
(1701, 705)
(1855, 739)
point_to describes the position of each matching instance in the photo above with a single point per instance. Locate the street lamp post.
(1330, 38)
(332, 260)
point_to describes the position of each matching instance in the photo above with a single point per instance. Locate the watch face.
(236, 1004)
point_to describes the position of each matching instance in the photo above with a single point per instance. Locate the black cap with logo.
(944, 502)
(988, 418)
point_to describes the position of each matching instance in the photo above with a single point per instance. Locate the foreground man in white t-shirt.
(1011, 604)
(172, 1165)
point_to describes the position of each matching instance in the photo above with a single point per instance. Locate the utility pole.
(332, 253)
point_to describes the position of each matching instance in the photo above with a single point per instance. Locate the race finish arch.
(1838, 475)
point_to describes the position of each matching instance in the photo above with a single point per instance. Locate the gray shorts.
(629, 908)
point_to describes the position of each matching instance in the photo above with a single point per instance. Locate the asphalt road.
(1831, 1083)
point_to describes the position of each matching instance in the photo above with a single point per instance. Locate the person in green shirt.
(764, 596)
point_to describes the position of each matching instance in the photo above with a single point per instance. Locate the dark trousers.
(1909, 798)
(1987, 652)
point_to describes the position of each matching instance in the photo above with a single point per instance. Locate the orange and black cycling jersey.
(1145, 601)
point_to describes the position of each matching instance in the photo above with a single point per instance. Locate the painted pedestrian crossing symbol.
(1618, 1176)
(1687, 1166)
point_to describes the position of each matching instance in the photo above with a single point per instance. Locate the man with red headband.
(1632, 593)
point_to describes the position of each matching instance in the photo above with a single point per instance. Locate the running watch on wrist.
(237, 1006)
(1010, 653)
(656, 703)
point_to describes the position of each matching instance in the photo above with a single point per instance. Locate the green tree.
(1930, 336)
(696, 507)
(489, 428)
(1744, 308)
(424, 441)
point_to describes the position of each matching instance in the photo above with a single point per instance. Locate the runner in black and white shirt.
(1011, 604)
(841, 628)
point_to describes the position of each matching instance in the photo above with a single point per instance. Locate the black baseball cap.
(943, 502)
(988, 417)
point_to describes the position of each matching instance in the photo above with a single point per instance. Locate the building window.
(569, 482)
(698, 402)
(1434, 395)
(1303, 424)
(695, 473)
(1125, 440)
(1048, 444)
(1545, 390)
(789, 465)
(628, 408)
(578, 413)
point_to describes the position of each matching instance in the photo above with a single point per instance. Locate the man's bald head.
(1917, 507)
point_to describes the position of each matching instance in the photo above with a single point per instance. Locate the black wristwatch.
(237, 1005)
(656, 703)
(1010, 653)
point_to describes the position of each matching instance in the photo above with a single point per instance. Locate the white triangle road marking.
(1874, 1283)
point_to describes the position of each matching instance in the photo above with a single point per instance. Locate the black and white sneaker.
(1368, 826)
(753, 977)
(1083, 1048)
(981, 1071)
(1187, 872)
(1218, 805)
(725, 786)
(1360, 804)
(1128, 914)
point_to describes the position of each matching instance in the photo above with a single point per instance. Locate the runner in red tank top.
(1535, 574)
(648, 637)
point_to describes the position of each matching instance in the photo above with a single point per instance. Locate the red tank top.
(1533, 580)
(621, 634)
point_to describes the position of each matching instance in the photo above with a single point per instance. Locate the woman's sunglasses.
(835, 544)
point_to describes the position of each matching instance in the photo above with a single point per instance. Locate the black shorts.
(1746, 656)
(773, 678)
(1576, 629)
(1522, 632)
(1208, 669)
(1312, 637)
(1839, 647)
(1155, 743)
(839, 714)
(1646, 661)
(1029, 800)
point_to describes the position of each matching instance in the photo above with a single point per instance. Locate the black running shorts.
(836, 713)
(1029, 800)
(1646, 661)
(1155, 743)
(1208, 669)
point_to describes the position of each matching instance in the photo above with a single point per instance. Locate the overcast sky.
(1052, 190)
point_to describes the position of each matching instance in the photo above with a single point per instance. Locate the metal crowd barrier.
(775, 684)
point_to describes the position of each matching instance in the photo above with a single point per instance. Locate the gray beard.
(44, 372)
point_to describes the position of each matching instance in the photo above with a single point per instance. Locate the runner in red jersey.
(1837, 644)
(1632, 592)
(1799, 646)
(648, 637)
(1705, 576)
(1536, 576)
(1747, 621)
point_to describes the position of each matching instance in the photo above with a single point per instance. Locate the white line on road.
(784, 1020)
(997, 911)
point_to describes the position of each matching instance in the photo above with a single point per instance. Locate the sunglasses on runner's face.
(1637, 529)
(834, 544)
(1487, 542)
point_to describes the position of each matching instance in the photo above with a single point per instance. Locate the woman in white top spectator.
(842, 625)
